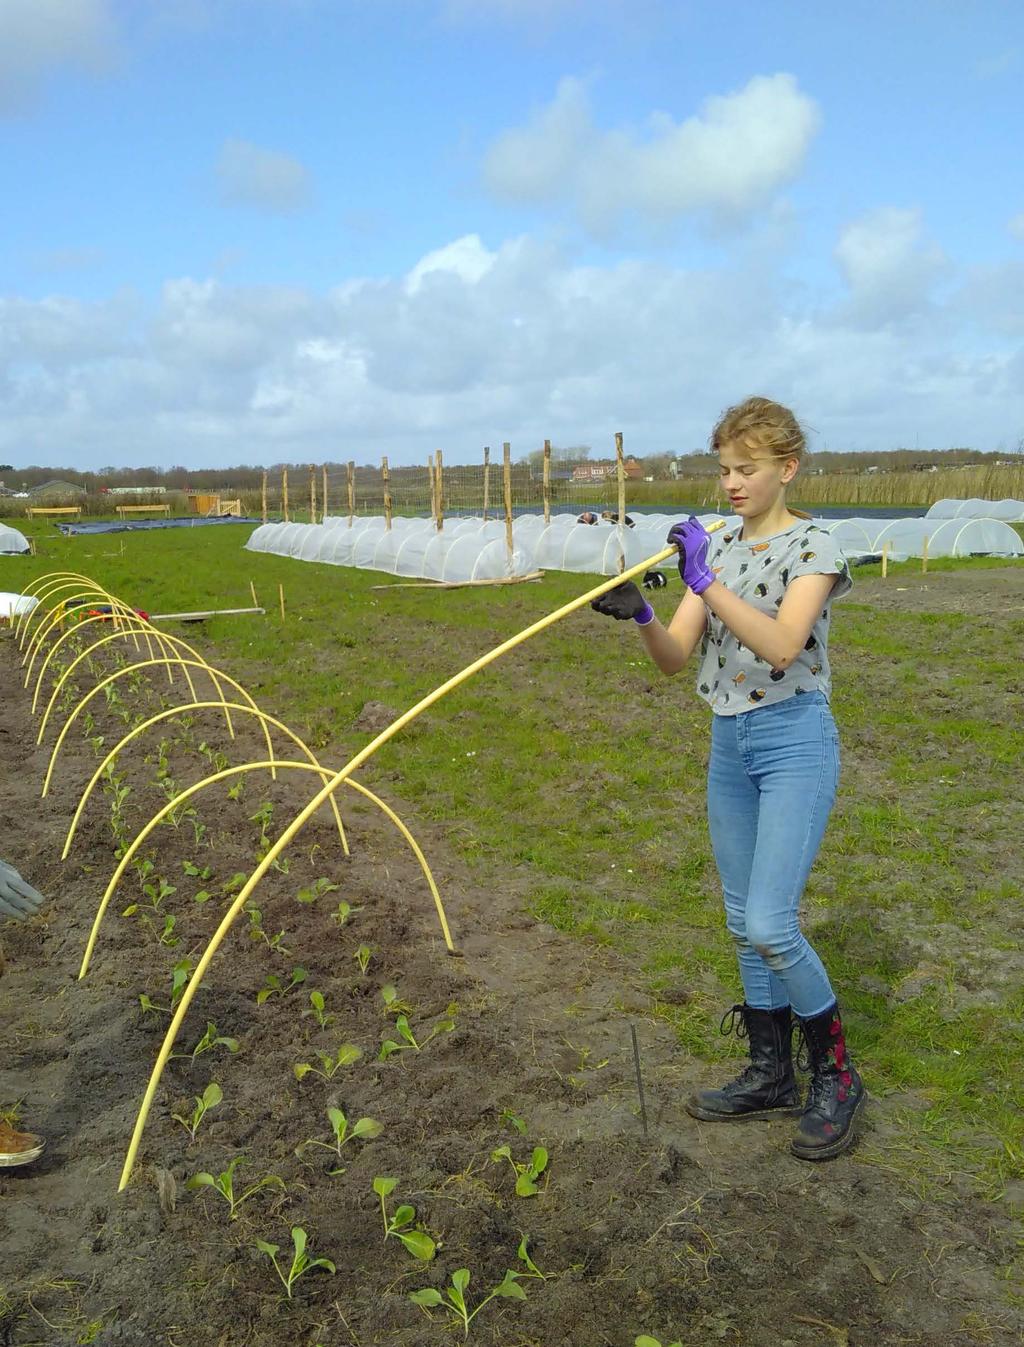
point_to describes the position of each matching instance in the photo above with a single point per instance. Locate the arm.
(18, 899)
(670, 648)
(777, 639)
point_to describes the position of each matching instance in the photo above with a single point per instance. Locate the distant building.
(600, 472)
(57, 490)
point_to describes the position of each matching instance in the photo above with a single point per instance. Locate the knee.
(771, 943)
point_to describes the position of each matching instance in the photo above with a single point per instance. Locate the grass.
(575, 765)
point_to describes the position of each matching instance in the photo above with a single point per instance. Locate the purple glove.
(693, 541)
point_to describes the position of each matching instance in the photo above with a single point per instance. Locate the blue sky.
(266, 230)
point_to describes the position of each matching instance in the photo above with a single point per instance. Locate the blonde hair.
(762, 427)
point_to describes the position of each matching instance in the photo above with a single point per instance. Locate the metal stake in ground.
(639, 1079)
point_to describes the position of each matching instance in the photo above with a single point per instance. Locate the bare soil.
(693, 1232)
(995, 589)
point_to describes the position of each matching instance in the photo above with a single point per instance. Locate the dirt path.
(697, 1233)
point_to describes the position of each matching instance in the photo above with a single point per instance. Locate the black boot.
(765, 1088)
(836, 1093)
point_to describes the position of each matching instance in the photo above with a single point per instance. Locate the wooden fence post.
(263, 497)
(323, 515)
(284, 493)
(506, 478)
(312, 493)
(386, 477)
(351, 476)
(439, 480)
(547, 482)
(885, 559)
(924, 555)
(487, 479)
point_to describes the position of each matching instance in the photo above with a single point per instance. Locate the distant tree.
(6, 467)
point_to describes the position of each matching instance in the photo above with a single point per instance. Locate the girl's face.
(753, 483)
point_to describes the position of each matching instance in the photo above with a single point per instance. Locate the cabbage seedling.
(362, 957)
(211, 1039)
(418, 1242)
(644, 1341)
(274, 985)
(528, 1174)
(315, 890)
(301, 1262)
(533, 1271)
(316, 1009)
(343, 911)
(393, 1005)
(179, 979)
(346, 1055)
(209, 1099)
(508, 1288)
(365, 1127)
(224, 1183)
(402, 1025)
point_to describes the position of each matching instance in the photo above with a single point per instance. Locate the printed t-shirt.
(731, 678)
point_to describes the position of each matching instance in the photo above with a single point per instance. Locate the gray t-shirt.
(731, 678)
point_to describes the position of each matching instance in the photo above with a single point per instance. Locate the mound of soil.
(691, 1232)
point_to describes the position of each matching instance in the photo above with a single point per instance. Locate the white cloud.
(249, 175)
(39, 37)
(474, 345)
(728, 159)
(466, 258)
(890, 269)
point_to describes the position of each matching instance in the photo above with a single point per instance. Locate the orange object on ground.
(18, 1148)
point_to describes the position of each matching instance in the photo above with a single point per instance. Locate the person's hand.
(18, 900)
(693, 541)
(622, 602)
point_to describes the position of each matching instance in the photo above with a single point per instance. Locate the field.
(558, 797)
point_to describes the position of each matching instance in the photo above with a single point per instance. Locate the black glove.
(622, 602)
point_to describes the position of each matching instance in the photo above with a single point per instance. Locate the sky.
(262, 231)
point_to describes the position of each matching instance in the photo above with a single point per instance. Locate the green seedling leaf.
(428, 1296)
(525, 1186)
(367, 1127)
(518, 1124)
(419, 1244)
(509, 1288)
(203, 896)
(384, 1187)
(524, 1257)
(362, 957)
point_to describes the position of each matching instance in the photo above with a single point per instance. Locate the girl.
(758, 604)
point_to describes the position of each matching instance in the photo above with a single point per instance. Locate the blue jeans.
(772, 780)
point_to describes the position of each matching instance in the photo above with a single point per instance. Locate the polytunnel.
(854, 536)
(1008, 509)
(11, 541)
(949, 538)
(466, 548)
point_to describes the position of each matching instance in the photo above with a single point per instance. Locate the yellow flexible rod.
(326, 773)
(195, 981)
